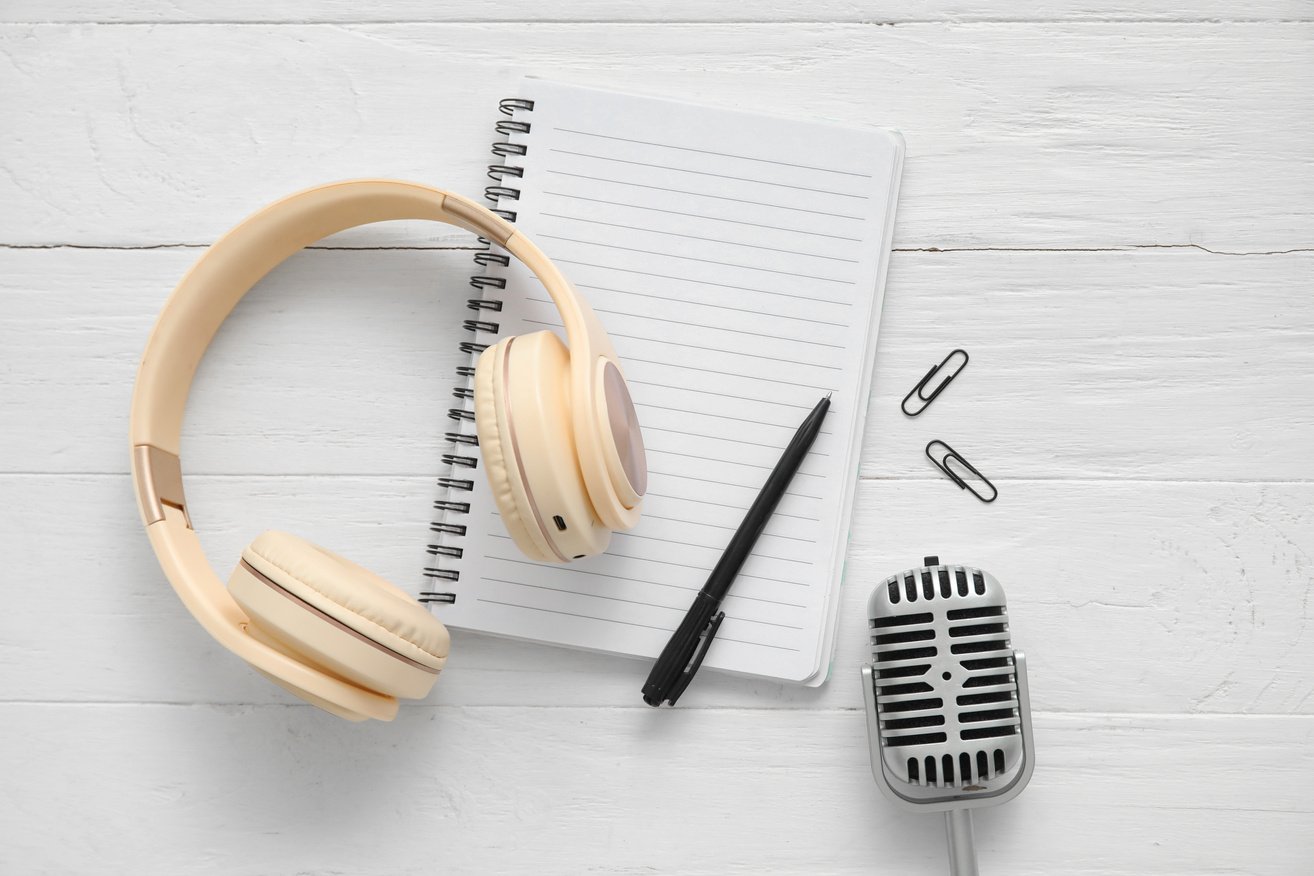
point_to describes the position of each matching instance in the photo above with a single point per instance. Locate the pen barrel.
(759, 513)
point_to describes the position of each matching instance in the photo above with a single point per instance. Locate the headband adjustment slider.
(157, 475)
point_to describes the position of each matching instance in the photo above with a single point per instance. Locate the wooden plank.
(1019, 135)
(1128, 597)
(537, 791)
(1147, 364)
(586, 11)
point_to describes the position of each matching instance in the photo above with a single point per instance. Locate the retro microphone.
(948, 712)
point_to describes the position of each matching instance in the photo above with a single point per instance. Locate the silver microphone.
(948, 711)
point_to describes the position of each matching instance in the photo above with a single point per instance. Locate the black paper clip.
(952, 455)
(935, 369)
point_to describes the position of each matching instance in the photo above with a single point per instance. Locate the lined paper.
(736, 261)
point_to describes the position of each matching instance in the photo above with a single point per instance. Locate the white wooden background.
(1109, 203)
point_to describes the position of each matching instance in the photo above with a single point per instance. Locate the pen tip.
(828, 395)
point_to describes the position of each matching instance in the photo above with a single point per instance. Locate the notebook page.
(734, 260)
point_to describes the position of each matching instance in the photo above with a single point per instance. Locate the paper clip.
(952, 455)
(936, 369)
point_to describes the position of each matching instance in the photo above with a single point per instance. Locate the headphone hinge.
(158, 478)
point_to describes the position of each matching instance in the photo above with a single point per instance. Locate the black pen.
(688, 646)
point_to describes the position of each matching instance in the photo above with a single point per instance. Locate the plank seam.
(648, 22)
(889, 479)
(833, 710)
(921, 249)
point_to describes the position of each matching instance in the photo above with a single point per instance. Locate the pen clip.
(704, 643)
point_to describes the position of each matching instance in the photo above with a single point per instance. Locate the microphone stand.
(962, 846)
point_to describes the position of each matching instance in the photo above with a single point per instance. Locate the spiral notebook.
(737, 261)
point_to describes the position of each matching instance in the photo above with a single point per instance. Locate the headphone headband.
(208, 293)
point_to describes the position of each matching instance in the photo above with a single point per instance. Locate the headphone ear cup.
(525, 425)
(497, 453)
(326, 611)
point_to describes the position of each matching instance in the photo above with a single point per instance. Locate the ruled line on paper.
(702, 569)
(707, 349)
(703, 216)
(612, 620)
(765, 533)
(746, 179)
(649, 515)
(721, 638)
(586, 594)
(808, 298)
(741, 508)
(615, 334)
(721, 483)
(722, 417)
(645, 230)
(660, 452)
(760, 401)
(676, 541)
(645, 581)
(668, 474)
(714, 327)
(687, 301)
(621, 182)
(633, 358)
(774, 447)
(671, 255)
(712, 152)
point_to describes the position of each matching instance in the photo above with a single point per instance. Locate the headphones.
(557, 431)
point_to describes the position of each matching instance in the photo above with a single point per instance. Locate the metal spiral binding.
(444, 528)
(480, 325)
(500, 172)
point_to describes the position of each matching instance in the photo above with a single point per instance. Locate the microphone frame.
(962, 799)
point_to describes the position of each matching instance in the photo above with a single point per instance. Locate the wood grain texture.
(1019, 135)
(343, 11)
(1128, 596)
(257, 790)
(1151, 364)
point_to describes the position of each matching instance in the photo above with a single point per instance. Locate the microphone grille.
(945, 679)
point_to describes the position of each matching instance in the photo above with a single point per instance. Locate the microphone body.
(947, 704)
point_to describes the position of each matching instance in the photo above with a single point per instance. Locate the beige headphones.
(557, 430)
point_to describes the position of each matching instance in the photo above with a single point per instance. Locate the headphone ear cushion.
(325, 610)
(496, 452)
